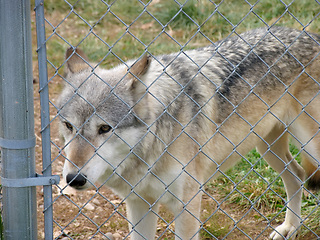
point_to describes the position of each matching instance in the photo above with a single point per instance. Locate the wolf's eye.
(104, 129)
(69, 126)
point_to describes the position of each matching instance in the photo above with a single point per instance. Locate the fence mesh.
(246, 202)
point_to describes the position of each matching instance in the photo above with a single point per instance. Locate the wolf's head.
(97, 118)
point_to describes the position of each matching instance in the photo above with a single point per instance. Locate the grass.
(114, 31)
(252, 183)
(126, 28)
(251, 177)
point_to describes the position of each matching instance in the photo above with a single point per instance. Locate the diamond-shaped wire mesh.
(246, 202)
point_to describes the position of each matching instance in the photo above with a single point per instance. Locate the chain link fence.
(246, 202)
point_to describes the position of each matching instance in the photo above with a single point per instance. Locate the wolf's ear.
(138, 69)
(77, 61)
(138, 88)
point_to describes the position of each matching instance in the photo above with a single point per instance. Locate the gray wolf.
(156, 129)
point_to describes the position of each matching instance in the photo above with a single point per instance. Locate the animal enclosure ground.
(91, 214)
(85, 215)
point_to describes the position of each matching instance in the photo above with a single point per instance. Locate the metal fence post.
(17, 138)
(45, 116)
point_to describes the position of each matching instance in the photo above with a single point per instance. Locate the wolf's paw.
(284, 231)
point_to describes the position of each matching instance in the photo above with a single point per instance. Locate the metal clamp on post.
(17, 144)
(38, 180)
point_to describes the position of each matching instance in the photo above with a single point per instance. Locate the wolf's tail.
(312, 169)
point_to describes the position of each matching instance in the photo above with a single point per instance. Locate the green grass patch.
(218, 226)
(126, 28)
(253, 183)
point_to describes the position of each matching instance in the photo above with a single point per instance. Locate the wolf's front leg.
(289, 228)
(277, 154)
(142, 219)
(187, 222)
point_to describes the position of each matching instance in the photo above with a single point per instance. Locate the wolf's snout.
(76, 180)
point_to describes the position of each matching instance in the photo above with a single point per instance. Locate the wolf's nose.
(76, 180)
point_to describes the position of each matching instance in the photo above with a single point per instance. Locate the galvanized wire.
(54, 32)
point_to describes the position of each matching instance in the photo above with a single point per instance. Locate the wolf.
(158, 128)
